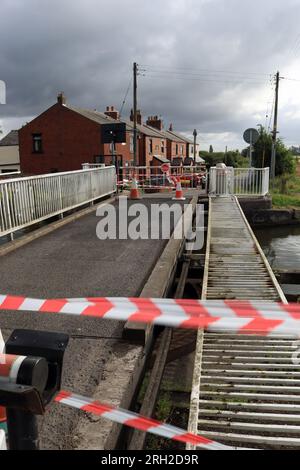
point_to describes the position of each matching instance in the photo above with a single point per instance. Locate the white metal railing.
(89, 166)
(238, 181)
(26, 201)
(12, 173)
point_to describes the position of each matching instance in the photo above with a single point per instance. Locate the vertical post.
(22, 430)
(274, 133)
(194, 183)
(61, 215)
(195, 144)
(135, 67)
(225, 156)
(250, 150)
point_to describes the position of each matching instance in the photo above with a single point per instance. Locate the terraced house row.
(64, 137)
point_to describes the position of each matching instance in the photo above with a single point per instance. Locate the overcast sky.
(204, 64)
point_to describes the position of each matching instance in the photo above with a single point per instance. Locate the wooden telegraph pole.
(274, 133)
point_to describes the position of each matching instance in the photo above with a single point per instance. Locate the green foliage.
(232, 158)
(285, 201)
(261, 156)
(286, 191)
(211, 150)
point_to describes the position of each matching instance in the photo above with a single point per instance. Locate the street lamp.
(195, 144)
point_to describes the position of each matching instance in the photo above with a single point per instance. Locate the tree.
(233, 158)
(262, 150)
(211, 150)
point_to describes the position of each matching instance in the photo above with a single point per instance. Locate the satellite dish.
(251, 136)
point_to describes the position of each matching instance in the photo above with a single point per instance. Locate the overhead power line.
(215, 80)
(125, 97)
(188, 70)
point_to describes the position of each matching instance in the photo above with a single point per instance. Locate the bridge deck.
(73, 262)
(236, 266)
(246, 390)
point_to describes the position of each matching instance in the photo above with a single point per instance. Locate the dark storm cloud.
(86, 48)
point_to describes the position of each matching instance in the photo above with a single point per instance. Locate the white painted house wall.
(9, 158)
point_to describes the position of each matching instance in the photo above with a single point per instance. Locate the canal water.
(281, 245)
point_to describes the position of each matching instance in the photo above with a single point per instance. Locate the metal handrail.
(27, 201)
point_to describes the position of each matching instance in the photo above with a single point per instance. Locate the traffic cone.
(2, 416)
(179, 192)
(134, 191)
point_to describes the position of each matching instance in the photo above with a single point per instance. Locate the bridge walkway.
(246, 389)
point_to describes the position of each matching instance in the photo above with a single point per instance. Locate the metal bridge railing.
(26, 201)
(224, 181)
(8, 175)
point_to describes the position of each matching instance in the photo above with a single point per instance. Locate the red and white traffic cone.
(179, 192)
(134, 190)
(2, 415)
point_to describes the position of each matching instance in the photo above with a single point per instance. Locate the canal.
(281, 245)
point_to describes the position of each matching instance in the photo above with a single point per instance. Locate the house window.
(37, 143)
(150, 146)
(176, 149)
(162, 146)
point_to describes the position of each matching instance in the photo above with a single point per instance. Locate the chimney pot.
(61, 99)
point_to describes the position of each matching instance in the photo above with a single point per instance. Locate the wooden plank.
(269, 417)
(227, 426)
(273, 442)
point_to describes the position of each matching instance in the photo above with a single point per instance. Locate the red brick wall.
(69, 140)
(156, 148)
(171, 146)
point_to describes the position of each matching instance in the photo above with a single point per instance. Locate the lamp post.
(195, 144)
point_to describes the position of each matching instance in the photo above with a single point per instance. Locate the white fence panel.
(238, 181)
(26, 201)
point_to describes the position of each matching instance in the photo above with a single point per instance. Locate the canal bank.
(260, 212)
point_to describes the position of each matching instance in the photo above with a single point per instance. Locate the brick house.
(150, 141)
(176, 144)
(63, 137)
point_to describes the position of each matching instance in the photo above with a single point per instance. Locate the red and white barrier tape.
(128, 418)
(238, 316)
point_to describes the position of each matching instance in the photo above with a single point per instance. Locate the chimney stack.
(156, 122)
(171, 127)
(138, 116)
(112, 112)
(61, 99)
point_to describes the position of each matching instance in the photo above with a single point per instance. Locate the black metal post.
(22, 430)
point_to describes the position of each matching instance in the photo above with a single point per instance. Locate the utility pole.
(274, 133)
(135, 69)
(225, 156)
